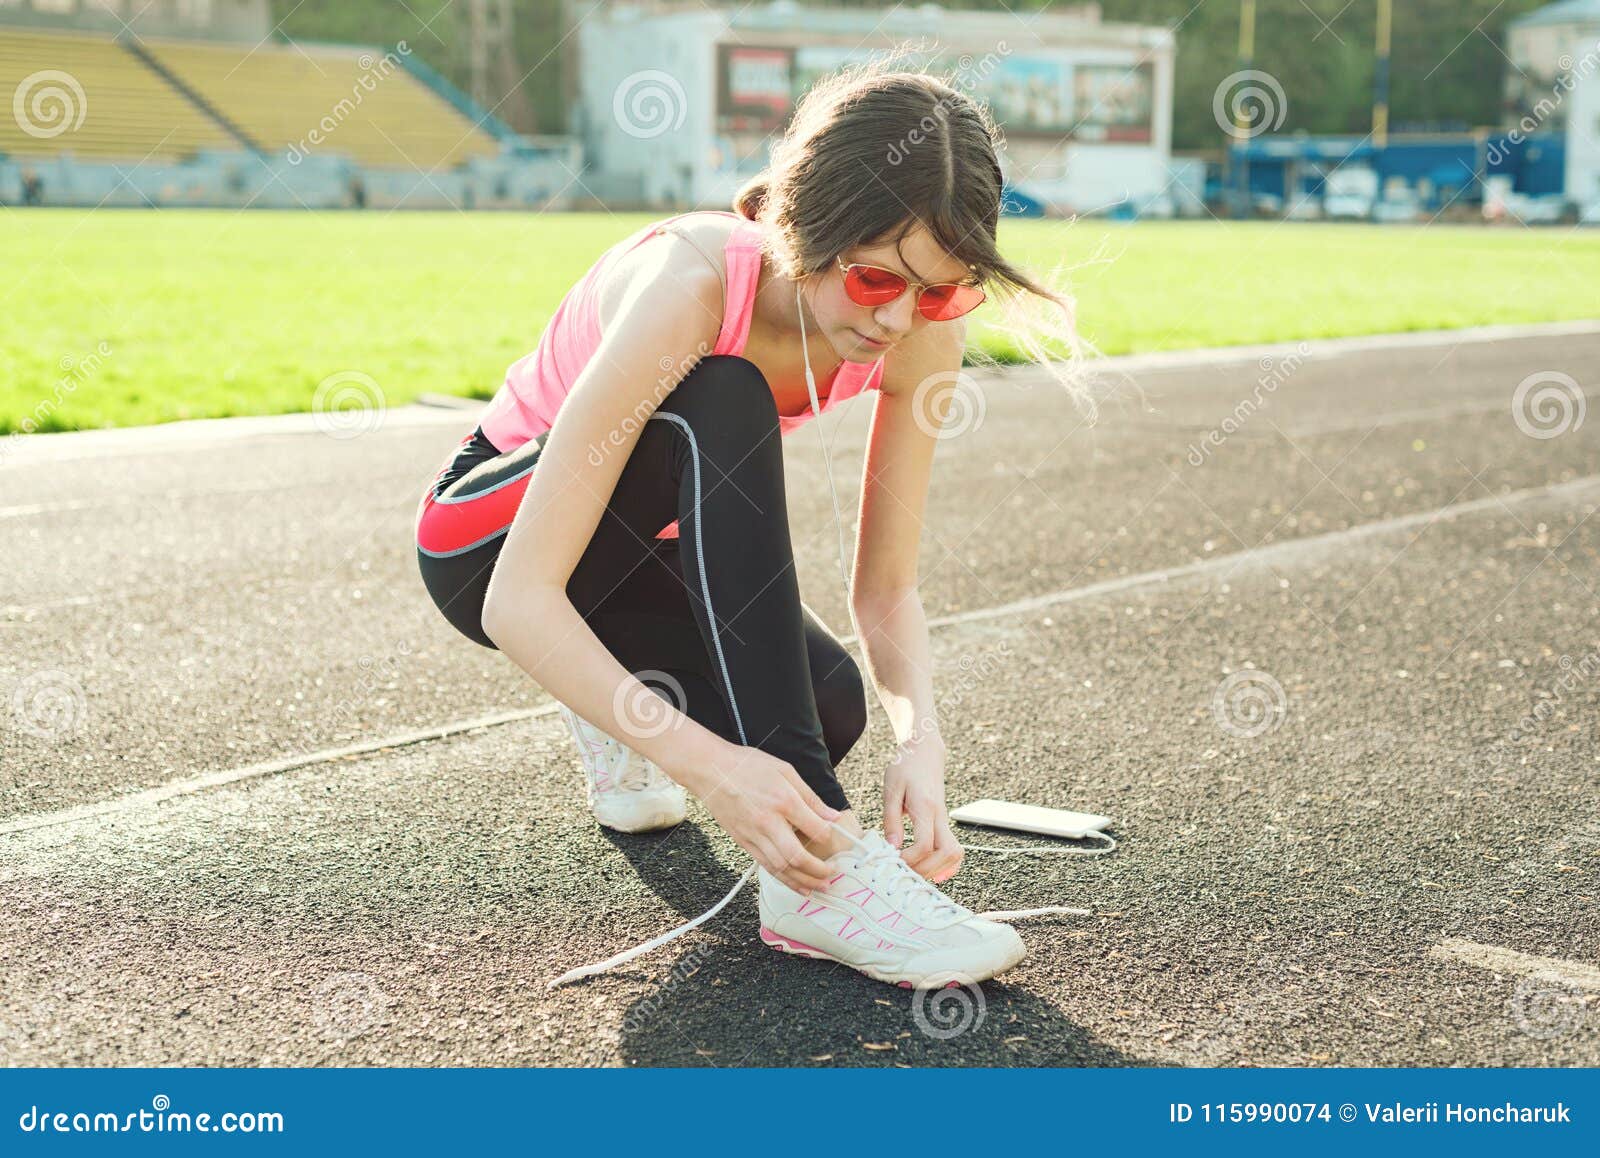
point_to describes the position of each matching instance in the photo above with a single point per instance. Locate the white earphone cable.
(838, 521)
(838, 525)
(833, 493)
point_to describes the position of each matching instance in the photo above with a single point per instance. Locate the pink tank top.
(525, 405)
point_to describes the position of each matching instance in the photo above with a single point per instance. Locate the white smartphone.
(1030, 818)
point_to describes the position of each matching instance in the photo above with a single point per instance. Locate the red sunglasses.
(871, 285)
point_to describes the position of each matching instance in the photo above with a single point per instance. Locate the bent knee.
(842, 707)
(727, 388)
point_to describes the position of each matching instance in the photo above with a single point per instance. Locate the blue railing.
(463, 103)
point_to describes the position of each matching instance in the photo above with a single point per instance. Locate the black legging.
(767, 673)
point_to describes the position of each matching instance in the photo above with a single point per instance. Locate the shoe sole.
(654, 822)
(947, 979)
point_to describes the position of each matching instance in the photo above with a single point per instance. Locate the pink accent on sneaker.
(836, 879)
(845, 926)
(778, 941)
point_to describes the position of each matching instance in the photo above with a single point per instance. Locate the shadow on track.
(728, 1000)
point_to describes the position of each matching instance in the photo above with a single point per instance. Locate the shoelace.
(633, 775)
(887, 852)
(889, 873)
(997, 914)
(620, 767)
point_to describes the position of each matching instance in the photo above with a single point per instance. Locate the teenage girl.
(617, 524)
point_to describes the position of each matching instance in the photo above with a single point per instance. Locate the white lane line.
(1256, 555)
(153, 796)
(1336, 347)
(1497, 960)
(205, 433)
(23, 451)
(28, 510)
(1402, 418)
(177, 495)
(1337, 426)
(1283, 552)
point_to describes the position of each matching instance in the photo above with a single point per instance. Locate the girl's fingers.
(894, 824)
(809, 795)
(803, 866)
(807, 820)
(949, 862)
(954, 854)
(933, 861)
(796, 855)
(777, 864)
(927, 838)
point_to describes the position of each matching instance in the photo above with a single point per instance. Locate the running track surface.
(207, 855)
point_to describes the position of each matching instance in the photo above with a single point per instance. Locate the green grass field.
(117, 318)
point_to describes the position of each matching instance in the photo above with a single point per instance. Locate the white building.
(1554, 85)
(678, 104)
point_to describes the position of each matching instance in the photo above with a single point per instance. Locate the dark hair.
(874, 150)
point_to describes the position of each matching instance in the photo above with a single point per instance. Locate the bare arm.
(664, 311)
(884, 596)
(659, 317)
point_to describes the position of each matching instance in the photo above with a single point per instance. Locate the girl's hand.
(914, 786)
(761, 802)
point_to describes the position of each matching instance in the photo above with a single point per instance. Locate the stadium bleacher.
(362, 103)
(142, 120)
(127, 110)
(380, 114)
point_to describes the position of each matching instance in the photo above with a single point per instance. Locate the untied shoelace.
(884, 856)
(744, 879)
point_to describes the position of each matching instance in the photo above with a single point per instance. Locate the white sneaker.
(626, 791)
(882, 917)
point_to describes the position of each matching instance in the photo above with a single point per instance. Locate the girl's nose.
(896, 317)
